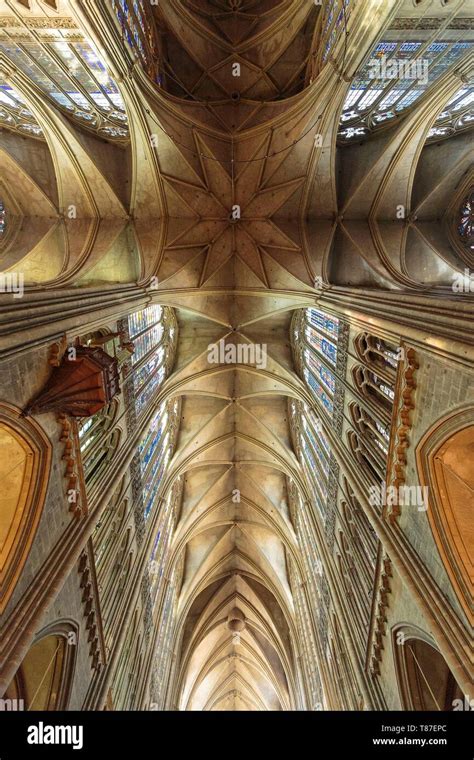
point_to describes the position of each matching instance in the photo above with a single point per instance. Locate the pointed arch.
(424, 678)
(25, 461)
(44, 679)
(444, 460)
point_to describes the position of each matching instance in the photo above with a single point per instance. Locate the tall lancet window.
(159, 556)
(315, 338)
(393, 79)
(336, 16)
(374, 379)
(155, 451)
(466, 221)
(312, 447)
(3, 218)
(309, 653)
(166, 615)
(98, 441)
(153, 334)
(138, 29)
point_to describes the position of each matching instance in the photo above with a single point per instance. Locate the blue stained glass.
(152, 448)
(337, 16)
(324, 322)
(380, 104)
(322, 345)
(317, 368)
(318, 392)
(151, 471)
(158, 472)
(145, 342)
(141, 320)
(317, 448)
(135, 28)
(149, 390)
(143, 374)
(466, 221)
(162, 412)
(3, 218)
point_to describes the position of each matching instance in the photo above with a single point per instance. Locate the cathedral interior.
(236, 355)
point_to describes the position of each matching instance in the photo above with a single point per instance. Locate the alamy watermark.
(463, 282)
(12, 282)
(12, 705)
(237, 353)
(397, 68)
(403, 496)
(466, 704)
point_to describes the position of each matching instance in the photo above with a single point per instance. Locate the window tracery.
(138, 29)
(377, 353)
(396, 75)
(374, 387)
(155, 450)
(336, 16)
(465, 225)
(362, 535)
(153, 332)
(3, 218)
(456, 116)
(315, 340)
(98, 441)
(15, 114)
(167, 617)
(313, 450)
(162, 543)
(71, 74)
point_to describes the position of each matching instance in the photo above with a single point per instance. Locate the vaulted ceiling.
(233, 195)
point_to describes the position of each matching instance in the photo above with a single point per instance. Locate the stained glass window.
(466, 221)
(324, 322)
(74, 77)
(456, 116)
(146, 341)
(396, 75)
(313, 572)
(163, 652)
(152, 331)
(15, 114)
(97, 441)
(160, 551)
(319, 370)
(325, 347)
(314, 450)
(3, 218)
(304, 624)
(317, 353)
(336, 16)
(318, 391)
(138, 30)
(143, 319)
(155, 450)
